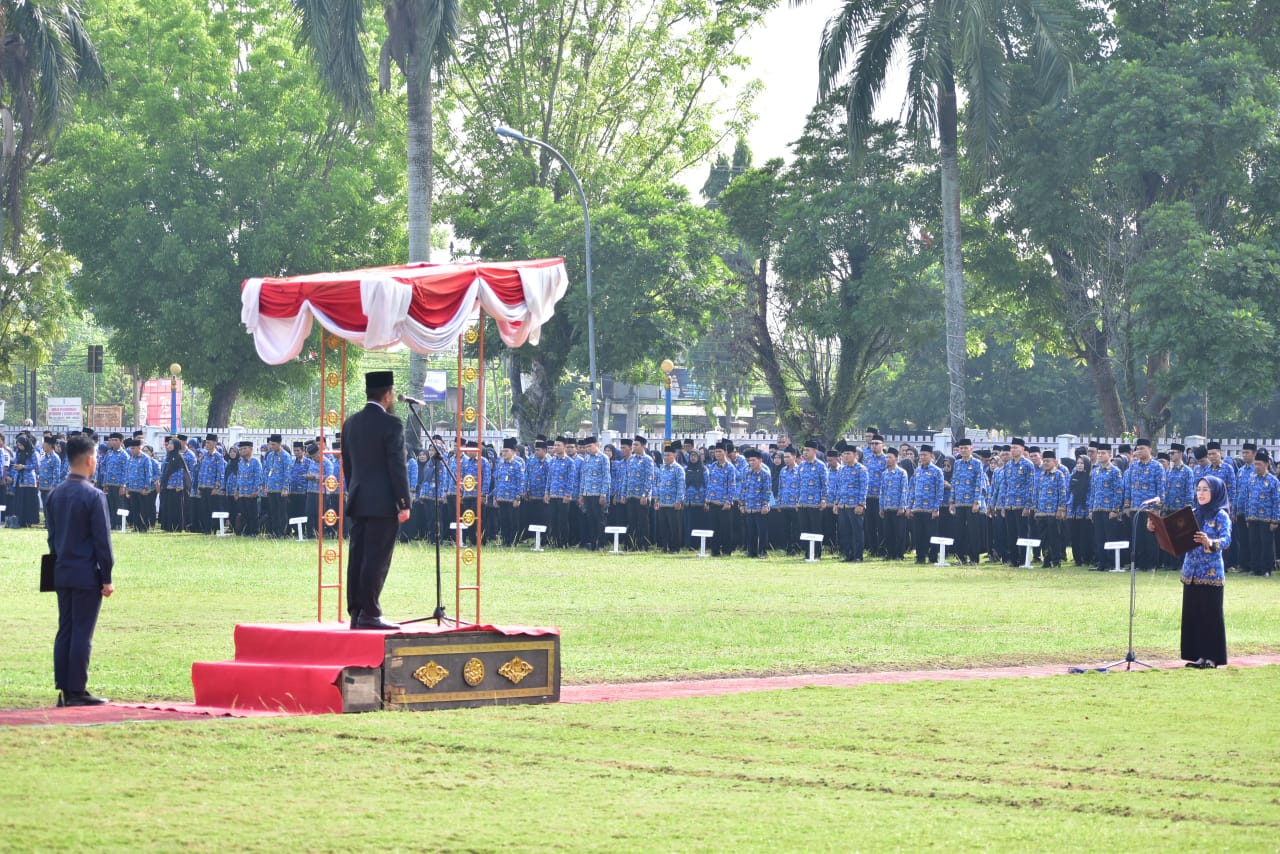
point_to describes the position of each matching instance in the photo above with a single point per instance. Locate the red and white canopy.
(424, 307)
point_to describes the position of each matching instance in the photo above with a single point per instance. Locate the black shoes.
(1202, 664)
(80, 698)
(372, 623)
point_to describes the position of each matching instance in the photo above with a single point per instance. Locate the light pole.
(175, 370)
(510, 133)
(667, 367)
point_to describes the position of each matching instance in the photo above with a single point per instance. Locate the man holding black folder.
(80, 540)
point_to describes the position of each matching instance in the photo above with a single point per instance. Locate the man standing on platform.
(80, 536)
(968, 480)
(377, 497)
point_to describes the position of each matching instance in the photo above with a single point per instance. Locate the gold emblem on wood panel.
(469, 482)
(468, 517)
(468, 556)
(331, 483)
(332, 380)
(469, 414)
(430, 674)
(469, 374)
(472, 336)
(333, 342)
(473, 672)
(516, 669)
(331, 418)
(330, 555)
(331, 517)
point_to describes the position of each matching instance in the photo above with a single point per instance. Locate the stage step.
(298, 688)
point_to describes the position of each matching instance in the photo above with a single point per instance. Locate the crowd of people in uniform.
(870, 500)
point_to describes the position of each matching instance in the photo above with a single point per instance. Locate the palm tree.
(950, 44)
(46, 57)
(420, 37)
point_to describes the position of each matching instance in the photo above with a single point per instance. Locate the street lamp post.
(667, 367)
(511, 133)
(175, 370)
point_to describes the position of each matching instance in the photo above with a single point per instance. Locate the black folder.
(46, 572)
(1176, 532)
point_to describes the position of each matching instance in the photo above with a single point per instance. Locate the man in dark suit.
(377, 497)
(80, 536)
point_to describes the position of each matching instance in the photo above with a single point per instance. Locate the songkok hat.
(965, 443)
(591, 440)
(728, 445)
(581, 443)
(1082, 451)
(641, 440)
(876, 437)
(985, 454)
(1213, 446)
(1104, 446)
(832, 452)
(540, 438)
(1093, 443)
(891, 451)
(540, 443)
(926, 449)
(1034, 449)
(1200, 452)
(624, 443)
(840, 446)
(1144, 443)
(297, 444)
(274, 437)
(1049, 454)
(245, 444)
(751, 454)
(1262, 456)
(115, 435)
(132, 443)
(311, 448)
(211, 437)
(1249, 446)
(1163, 455)
(509, 442)
(374, 380)
(1125, 448)
(1016, 441)
(688, 443)
(1177, 446)
(811, 443)
(673, 448)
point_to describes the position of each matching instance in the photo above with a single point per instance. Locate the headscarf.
(1079, 484)
(1217, 500)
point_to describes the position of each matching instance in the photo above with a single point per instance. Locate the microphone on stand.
(404, 398)
(1152, 502)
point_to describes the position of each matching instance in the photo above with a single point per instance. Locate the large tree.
(626, 90)
(951, 47)
(218, 162)
(419, 41)
(840, 282)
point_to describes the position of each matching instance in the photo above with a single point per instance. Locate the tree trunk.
(1155, 413)
(952, 261)
(221, 398)
(421, 179)
(540, 400)
(767, 353)
(1097, 357)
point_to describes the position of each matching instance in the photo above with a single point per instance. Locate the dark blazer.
(79, 534)
(373, 463)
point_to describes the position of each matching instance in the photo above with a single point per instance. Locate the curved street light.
(511, 133)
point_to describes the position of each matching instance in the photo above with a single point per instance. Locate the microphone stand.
(1130, 657)
(439, 613)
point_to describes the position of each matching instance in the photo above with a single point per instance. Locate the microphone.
(1152, 502)
(404, 398)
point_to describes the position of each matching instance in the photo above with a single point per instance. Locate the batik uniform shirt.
(1019, 481)
(411, 469)
(670, 489)
(788, 487)
(480, 470)
(311, 476)
(113, 467)
(535, 477)
(875, 464)
(209, 470)
(639, 474)
(696, 494)
(50, 470)
(275, 469)
(1179, 488)
(849, 486)
(617, 478)
(176, 478)
(740, 466)
(1142, 482)
(1051, 492)
(811, 483)
(138, 473)
(247, 480)
(559, 475)
(594, 476)
(1201, 566)
(575, 477)
(30, 474)
(1225, 471)
(1106, 489)
(968, 479)
(926, 488)
(756, 490)
(722, 483)
(996, 492)
(508, 480)
(894, 489)
(1264, 497)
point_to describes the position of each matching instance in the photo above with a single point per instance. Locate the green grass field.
(1181, 760)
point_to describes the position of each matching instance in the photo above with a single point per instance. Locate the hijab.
(1217, 500)
(1080, 484)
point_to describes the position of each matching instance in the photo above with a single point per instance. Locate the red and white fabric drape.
(424, 307)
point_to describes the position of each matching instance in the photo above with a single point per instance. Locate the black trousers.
(373, 540)
(1262, 547)
(245, 517)
(1105, 529)
(142, 510)
(1146, 555)
(718, 521)
(592, 521)
(1240, 553)
(670, 533)
(277, 520)
(508, 521)
(77, 618)
(1049, 532)
(202, 521)
(812, 521)
(874, 540)
(173, 507)
(922, 527)
(789, 537)
(893, 527)
(851, 532)
(1082, 541)
(638, 523)
(757, 534)
(967, 535)
(1016, 527)
(558, 532)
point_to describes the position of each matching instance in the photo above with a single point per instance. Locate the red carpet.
(295, 667)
